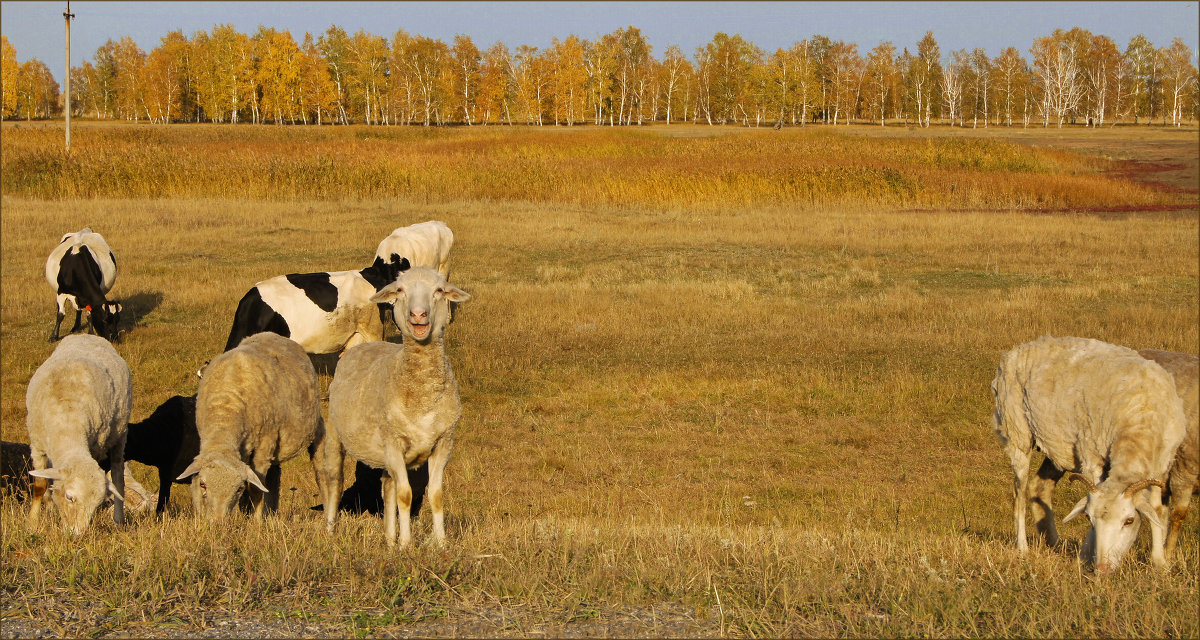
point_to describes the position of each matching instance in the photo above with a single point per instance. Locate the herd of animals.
(392, 407)
(1122, 422)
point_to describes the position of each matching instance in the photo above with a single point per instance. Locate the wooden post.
(67, 15)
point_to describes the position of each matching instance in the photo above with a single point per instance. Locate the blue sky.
(35, 29)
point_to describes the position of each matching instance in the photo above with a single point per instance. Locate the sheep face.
(1115, 513)
(77, 492)
(421, 299)
(218, 485)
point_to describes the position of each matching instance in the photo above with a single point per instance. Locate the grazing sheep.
(14, 476)
(325, 312)
(396, 406)
(82, 269)
(1102, 411)
(424, 244)
(1185, 472)
(168, 441)
(256, 408)
(78, 404)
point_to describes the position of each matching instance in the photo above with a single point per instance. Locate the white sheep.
(1102, 411)
(1185, 471)
(425, 244)
(256, 408)
(78, 405)
(395, 406)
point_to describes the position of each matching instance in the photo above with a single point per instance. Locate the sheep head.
(420, 298)
(218, 483)
(78, 491)
(1115, 510)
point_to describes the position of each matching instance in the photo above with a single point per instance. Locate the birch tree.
(881, 65)
(465, 77)
(9, 69)
(1179, 77)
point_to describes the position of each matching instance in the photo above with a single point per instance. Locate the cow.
(82, 269)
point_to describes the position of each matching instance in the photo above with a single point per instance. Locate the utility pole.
(67, 15)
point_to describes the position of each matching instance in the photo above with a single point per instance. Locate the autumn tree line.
(224, 76)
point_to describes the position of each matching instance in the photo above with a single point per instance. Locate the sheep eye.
(1128, 521)
(70, 498)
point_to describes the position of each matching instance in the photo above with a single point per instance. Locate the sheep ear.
(252, 478)
(454, 294)
(388, 294)
(1079, 507)
(1149, 513)
(49, 474)
(192, 470)
(112, 488)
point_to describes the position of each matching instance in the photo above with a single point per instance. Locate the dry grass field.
(715, 382)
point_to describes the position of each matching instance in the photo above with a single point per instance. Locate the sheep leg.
(397, 498)
(1157, 557)
(437, 466)
(1179, 509)
(388, 487)
(272, 480)
(116, 459)
(164, 490)
(37, 488)
(1020, 466)
(329, 459)
(1041, 495)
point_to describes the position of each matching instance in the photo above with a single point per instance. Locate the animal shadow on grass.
(136, 307)
(366, 494)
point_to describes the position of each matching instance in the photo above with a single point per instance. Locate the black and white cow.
(82, 270)
(324, 312)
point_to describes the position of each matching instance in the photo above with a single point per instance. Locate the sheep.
(82, 269)
(78, 405)
(1185, 472)
(168, 441)
(424, 244)
(396, 406)
(325, 312)
(256, 408)
(16, 464)
(1103, 412)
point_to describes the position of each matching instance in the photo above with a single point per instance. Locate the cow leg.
(59, 314)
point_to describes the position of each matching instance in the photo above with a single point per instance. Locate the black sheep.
(168, 441)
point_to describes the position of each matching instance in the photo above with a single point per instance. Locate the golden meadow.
(736, 377)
